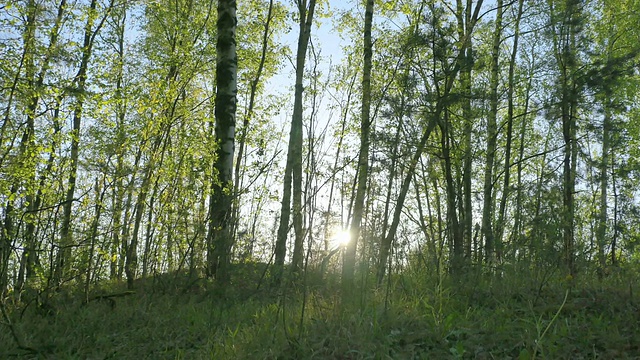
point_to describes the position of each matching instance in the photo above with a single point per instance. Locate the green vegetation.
(296, 179)
(517, 316)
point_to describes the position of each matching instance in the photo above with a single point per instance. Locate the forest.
(320, 179)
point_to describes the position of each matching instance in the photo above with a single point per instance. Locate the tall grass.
(421, 316)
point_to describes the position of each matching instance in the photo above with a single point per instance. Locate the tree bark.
(7, 240)
(564, 40)
(348, 268)
(293, 169)
(220, 241)
(510, 110)
(63, 259)
(601, 230)
(434, 119)
(247, 119)
(491, 250)
(465, 82)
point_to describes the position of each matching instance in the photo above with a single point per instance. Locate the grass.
(421, 318)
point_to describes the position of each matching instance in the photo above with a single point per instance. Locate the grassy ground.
(422, 318)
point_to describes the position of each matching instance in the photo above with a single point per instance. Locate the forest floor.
(413, 317)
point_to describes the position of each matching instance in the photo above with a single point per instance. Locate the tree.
(510, 120)
(610, 77)
(492, 136)
(63, 260)
(363, 157)
(253, 92)
(220, 207)
(443, 84)
(566, 22)
(293, 168)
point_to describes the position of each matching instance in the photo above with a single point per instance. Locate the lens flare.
(341, 238)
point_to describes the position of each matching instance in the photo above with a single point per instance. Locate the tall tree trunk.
(126, 222)
(492, 249)
(219, 238)
(29, 254)
(510, 110)
(601, 229)
(614, 240)
(387, 240)
(293, 169)
(453, 227)
(363, 158)
(26, 143)
(118, 189)
(100, 191)
(149, 230)
(131, 259)
(564, 40)
(341, 136)
(248, 117)
(63, 260)
(393, 169)
(303, 42)
(517, 234)
(434, 119)
(465, 82)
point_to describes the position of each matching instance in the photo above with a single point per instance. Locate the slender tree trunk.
(117, 195)
(363, 158)
(170, 230)
(601, 230)
(385, 246)
(220, 240)
(535, 242)
(29, 254)
(26, 143)
(614, 240)
(100, 191)
(517, 234)
(433, 120)
(506, 190)
(131, 261)
(118, 190)
(149, 230)
(492, 249)
(303, 42)
(293, 169)
(565, 51)
(453, 227)
(126, 223)
(63, 260)
(345, 115)
(465, 82)
(393, 169)
(467, 219)
(248, 117)
(426, 221)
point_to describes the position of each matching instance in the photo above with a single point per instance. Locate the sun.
(341, 238)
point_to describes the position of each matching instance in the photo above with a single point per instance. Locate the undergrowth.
(413, 317)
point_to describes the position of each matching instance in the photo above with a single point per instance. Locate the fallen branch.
(110, 297)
